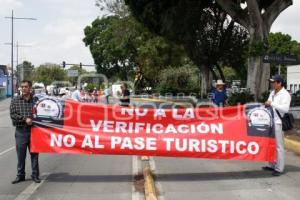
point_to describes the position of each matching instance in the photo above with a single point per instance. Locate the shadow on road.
(214, 176)
(66, 177)
(211, 176)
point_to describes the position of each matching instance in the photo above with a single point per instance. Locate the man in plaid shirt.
(21, 115)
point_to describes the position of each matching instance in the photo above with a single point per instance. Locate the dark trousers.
(107, 99)
(22, 136)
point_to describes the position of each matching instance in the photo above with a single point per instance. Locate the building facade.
(5, 82)
(293, 78)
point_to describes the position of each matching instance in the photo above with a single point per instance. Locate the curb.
(150, 193)
(292, 145)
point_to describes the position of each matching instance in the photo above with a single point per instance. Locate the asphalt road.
(111, 177)
(194, 179)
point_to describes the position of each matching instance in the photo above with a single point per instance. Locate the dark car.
(295, 99)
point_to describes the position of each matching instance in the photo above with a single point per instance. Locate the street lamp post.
(12, 46)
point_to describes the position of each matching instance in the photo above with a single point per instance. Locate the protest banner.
(239, 133)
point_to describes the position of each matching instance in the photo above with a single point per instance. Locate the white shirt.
(76, 95)
(281, 102)
(107, 92)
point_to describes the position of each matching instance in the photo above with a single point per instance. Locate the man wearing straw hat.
(219, 94)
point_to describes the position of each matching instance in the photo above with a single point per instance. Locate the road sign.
(72, 73)
(280, 59)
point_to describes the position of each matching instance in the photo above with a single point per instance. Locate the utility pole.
(12, 18)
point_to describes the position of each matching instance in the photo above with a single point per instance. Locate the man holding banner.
(21, 115)
(279, 100)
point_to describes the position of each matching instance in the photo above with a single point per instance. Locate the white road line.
(28, 192)
(135, 165)
(135, 171)
(7, 150)
(152, 164)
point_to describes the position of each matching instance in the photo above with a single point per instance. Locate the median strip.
(292, 145)
(150, 192)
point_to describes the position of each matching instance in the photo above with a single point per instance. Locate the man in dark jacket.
(21, 115)
(124, 96)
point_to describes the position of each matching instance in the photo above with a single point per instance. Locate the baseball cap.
(276, 78)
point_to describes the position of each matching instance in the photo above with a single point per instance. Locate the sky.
(54, 37)
(57, 33)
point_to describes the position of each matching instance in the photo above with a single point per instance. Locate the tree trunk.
(206, 81)
(221, 73)
(258, 75)
(258, 72)
(213, 73)
(258, 24)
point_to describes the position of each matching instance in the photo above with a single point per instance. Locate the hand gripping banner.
(240, 133)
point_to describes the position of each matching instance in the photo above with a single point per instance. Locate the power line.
(17, 46)
(12, 18)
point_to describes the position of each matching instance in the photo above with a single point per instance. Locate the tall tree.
(110, 42)
(119, 44)
(209, 37)
(257, 17)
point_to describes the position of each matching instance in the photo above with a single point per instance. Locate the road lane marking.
(28, 192)
(152, 164)
(135, 165)
(7, 150)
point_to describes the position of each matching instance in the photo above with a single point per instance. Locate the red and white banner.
(240, 133)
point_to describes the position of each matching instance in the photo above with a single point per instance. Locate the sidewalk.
(292, 138)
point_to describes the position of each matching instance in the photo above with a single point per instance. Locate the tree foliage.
(257, 17)
(24, 70)
(113, 7)
(209, 37)
(49, 73)
(119, 44)
(182, 17)
(184, 80)
(280, 43)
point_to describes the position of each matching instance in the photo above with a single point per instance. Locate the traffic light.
(64, 64)
(80, 65)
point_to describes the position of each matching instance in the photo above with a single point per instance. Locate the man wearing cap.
(279, 100)
(219, 94)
